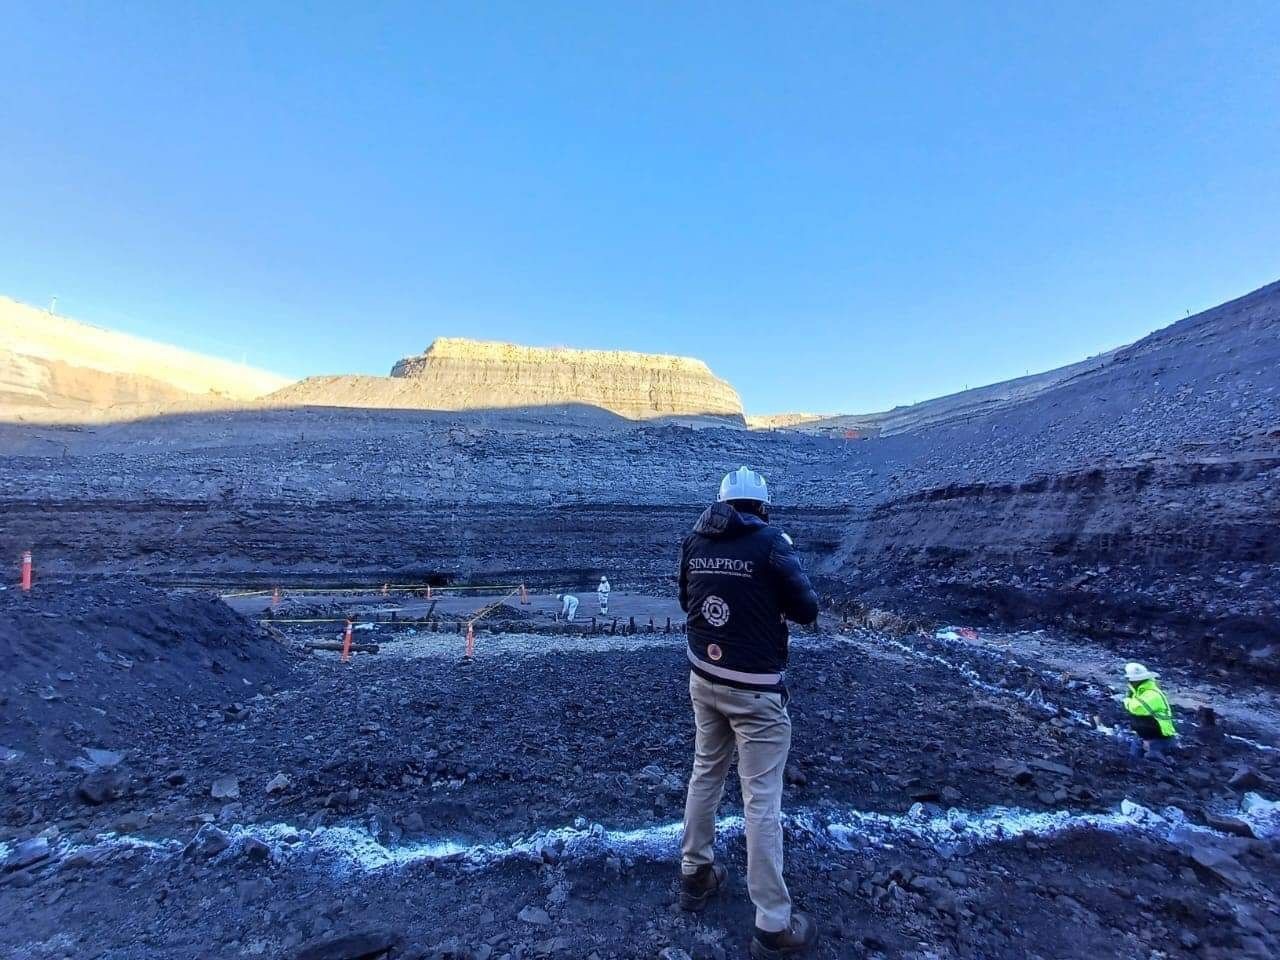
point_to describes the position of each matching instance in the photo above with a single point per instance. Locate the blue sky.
(840, 206)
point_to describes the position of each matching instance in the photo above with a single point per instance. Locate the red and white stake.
(346, 643)
(26, 571)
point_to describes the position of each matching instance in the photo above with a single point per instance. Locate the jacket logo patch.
(720, 565)
(714, 652)
(715, 611)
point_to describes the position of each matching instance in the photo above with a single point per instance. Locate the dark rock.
(27, 853)
(97, 761)
(208, 842)
(1219, 863)
(225, 788)
(364, 945)
(1050, 766)
(1236, 826)
(1019, 773)
(534, 915)
(99, 788)
(1245, 778)
(278, 784)
(255, 851)
(555, 945)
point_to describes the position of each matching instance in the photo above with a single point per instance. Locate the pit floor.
(415, 745)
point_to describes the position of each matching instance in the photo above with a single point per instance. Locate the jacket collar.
(721, 520)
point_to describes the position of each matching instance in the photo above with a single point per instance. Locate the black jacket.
(740, 582)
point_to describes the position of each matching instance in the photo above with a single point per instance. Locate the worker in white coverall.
(568, 605)
(602, 595)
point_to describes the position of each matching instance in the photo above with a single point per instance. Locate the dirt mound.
(86, 666)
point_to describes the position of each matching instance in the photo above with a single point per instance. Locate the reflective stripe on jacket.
(1148, 700)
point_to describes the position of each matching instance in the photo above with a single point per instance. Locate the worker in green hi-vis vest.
(1150, 715)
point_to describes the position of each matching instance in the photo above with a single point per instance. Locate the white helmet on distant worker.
(744, 484)
(1136, 673)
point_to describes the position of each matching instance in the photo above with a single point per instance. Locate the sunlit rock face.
(482, 374)
(54, 366)
(459, 374)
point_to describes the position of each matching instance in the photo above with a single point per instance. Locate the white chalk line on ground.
(1034, 698)
(1253, 743)
(353, 849)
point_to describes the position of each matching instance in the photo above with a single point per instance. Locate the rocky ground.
(944, 800)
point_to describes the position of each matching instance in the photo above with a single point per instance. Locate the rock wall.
(1180, 553)
(470, 374)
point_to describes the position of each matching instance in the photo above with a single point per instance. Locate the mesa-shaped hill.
(52, 367)
(461, 374)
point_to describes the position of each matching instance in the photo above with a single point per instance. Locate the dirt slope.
(52, 367)
(1225, 341)
(147, 657)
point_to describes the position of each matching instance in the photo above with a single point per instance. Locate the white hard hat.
(744, 484)
(604, 579)
(1136, 673)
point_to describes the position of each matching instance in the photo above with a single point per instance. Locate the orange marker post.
(524, 595)
(384, 589)
(346, 643)
(275, 597)
(26, 571)
(471, 639)
(428, 591)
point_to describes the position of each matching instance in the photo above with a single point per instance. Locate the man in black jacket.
(740, 582)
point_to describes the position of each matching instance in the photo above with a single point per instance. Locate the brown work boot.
(697, 888)
(800, 935)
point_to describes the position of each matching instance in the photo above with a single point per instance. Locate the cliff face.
(457, 374)
(638, 386)
(1182, 552)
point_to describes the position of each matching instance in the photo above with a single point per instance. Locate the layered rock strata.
(459, 374)
(1176, 556)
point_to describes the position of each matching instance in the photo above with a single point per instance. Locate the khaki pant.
(758, 724)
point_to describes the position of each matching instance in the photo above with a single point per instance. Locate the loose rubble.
(415, 805)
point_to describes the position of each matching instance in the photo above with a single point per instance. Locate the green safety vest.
(1148, 700)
